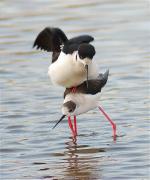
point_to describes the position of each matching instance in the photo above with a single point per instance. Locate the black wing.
(74, 43)
(50, 39)
(81, 39)
(94, 85)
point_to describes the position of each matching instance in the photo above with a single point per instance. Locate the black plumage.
(94, 85)
(54, 40)
(50, 39)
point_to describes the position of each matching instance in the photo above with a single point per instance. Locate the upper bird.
(71, 58)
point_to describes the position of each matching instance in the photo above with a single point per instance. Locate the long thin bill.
(62, 117)
(86, 67)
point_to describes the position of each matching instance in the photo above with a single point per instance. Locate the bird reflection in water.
(81, 163)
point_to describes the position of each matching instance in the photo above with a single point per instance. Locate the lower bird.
(82, 99)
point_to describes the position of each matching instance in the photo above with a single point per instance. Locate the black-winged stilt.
(82, 99)
(71, 58)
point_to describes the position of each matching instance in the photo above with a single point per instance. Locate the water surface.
(30, 104)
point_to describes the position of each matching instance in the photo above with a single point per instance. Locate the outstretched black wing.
(50, 39)
(74, 43)
(81, 39)
(94, 85)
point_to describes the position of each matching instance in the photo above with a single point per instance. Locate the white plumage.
(69, 70)
(84, 103)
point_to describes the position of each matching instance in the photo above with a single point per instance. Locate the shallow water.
(30, 105)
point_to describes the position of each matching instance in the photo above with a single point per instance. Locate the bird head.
(68, 108)
(85, 55)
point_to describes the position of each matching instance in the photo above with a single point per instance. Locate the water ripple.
(30, 104)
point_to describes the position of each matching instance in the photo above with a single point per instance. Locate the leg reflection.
(81, 163)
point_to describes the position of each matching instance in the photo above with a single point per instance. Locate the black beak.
(86, 67)
(62, 117)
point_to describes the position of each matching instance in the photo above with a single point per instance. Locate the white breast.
(68, 72)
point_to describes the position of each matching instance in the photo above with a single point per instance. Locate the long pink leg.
(73, 129)
(110, 120)
(75, 125)
(71, 126)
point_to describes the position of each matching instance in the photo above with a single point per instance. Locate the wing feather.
(94, 85)
(50, 39)
(81, 39)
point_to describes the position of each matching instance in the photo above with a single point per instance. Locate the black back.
(94, 85)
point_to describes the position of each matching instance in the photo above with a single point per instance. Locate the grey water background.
(30, 104)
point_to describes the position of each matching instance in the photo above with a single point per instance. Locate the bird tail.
(103, 78)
